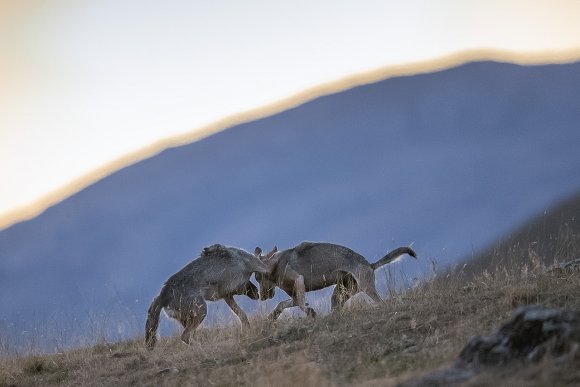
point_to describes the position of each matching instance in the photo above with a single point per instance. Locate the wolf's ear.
(257, 252)
(274, 251)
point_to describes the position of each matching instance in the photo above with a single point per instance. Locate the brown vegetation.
(549, 236)
(412, 332)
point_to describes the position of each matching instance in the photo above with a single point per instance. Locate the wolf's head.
(267, 286)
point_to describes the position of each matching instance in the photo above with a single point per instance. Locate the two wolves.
(221, 272)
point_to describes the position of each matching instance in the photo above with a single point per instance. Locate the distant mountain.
(449, 161)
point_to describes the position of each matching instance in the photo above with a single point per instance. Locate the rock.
(357, 301)
(530, 334)
(170, 370)
(568, 267)
(441, 378)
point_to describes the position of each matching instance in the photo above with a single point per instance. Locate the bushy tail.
(392, 256)
(153, 322)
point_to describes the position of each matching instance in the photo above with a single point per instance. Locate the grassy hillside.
(549, 236)
(449, 160)
(412, 332)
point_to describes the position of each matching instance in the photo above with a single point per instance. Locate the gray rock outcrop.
(527, 337)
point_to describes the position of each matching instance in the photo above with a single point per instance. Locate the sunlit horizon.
(88, 90)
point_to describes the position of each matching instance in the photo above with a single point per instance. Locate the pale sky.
(84, 83)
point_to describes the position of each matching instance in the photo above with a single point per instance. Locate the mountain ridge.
(449, 160)
(359, 79)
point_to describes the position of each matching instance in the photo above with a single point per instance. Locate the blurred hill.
(450, 160)
(552, 235)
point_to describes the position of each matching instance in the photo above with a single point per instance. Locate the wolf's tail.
(153, 321)
(393, 255)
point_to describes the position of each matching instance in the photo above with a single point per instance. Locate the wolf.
(218, 273)
(315, 265)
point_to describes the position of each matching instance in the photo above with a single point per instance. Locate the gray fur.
(220, 272)
(313, 266)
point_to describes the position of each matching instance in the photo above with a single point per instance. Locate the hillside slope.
(547, 237)
(450, 160)
(412, 332)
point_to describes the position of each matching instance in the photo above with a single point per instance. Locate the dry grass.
(553, 235)
(413, 331)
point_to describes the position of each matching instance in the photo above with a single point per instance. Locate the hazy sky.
(83, 83)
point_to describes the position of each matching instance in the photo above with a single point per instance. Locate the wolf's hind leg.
(346, 287)
(192, 317)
